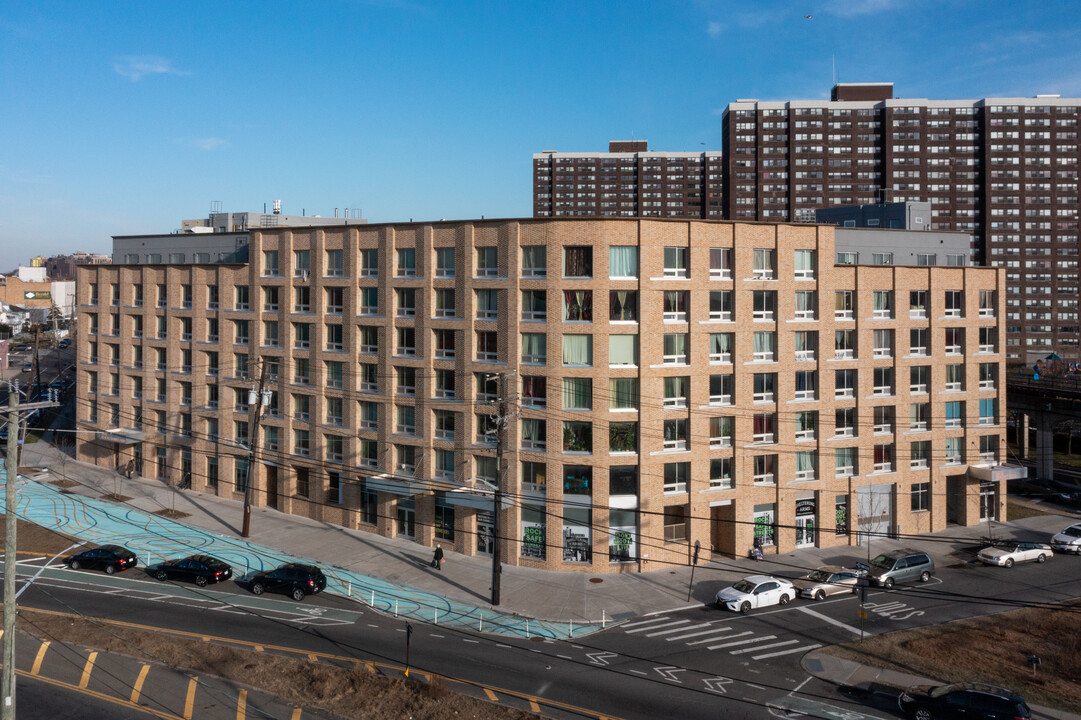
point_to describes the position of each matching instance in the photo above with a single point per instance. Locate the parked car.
(900, 566)
(1005, 553)
(294, 580)
(1069, 540)
(108, 557)
(199, 569)
(63, 343)
(963, 700)
(756, 591)
(28, 367)
(828, 580)
(21, 348)
(1064, 492)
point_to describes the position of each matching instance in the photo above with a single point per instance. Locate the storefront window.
(577, 534)
(841, 515)
(765, 529)
(534, 527)
(622, 536)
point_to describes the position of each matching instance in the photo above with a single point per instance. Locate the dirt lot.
(991, 649)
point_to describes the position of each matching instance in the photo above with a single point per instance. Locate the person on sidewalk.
(437, 561)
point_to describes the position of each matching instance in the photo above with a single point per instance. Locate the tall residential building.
(1004, 170)
(668, 381)
(628, 181)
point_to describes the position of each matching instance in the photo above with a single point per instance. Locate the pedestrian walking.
(437, 560)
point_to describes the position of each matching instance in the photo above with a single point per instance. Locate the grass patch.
(1019, 511)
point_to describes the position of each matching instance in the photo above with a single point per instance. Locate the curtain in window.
(720, 259)
(918, 301)
(577, 349)
(622, 262)
(720, 343)
(675, 430)
(843, 340)
(624, 393)
(578, 305)
(805, 461)
(720, 427)
(675, 387)
(675, 301)
(533, 257)
(487, 302)
(805, 301)
(804, 260)
(805, 421)
(987, 408)
(883, 453)
(622, 349)
(621, 305)
(675, 345)
(763, 259)
(577, 393)
(803, 341)
(842, 300)
(805, 382)
(763, 424)
(953, 411)
(533, 431)
(536, 301)
(764, 342)
(534, 386)
(675, 258)
(534, 345)
(578, 262)
(883, 300)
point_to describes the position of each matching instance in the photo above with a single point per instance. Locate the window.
(369, 301)
(534, 261)
(578, 306)
(675, 262)
(765, 387)
(989, 449)
(444, 384)
(955, 341)
(883, 304)
(919, 342)
(883, 458)
(622, 305)
(720, 347)
(578, 393)
(534, 350)
(675, 349)
(806, 304)
(622, 262)
(578, 262)
(721, 389)
(765, 304)
(487, 304)
(368, 415)
(806, 425)
(720, 305)
(921, 492)
(534, 434)
(534, 477)
(444, 303)
(301, 442)
(917, 304)
(302, 299)
(919, 417)
(988, 339)
(335, 300)
(765, 467)
(675, 305)
(675, 518)
(534, 305)
(270, 263)
(844, 304)
(676, 392)
(806, 385)
(988, 376)
(987, 304)
(578, 350)
(844, 383)
(444, 344)
(806, 465)
(676, 477)
(407, 459)
(407, 381)
(487, 262)
(919, 379)
(302, 263)
(334, 338)
(368, 338)
(953, 451)
(622, 393)
(623, 350)
(765, 346)
(487, 346)
(334, 374)
(765, 428)
(242, 298)
(882, 258)
(883, 340)
(407, 263)
(720, 431)
(623, 437)
(763, 264)
(406, 420)
(805, 264)
(407, 302)
(487, 429)
(955, 303)
(844, 460)
(720, 263)
(847, 258)
(369, 263)
(884, 416)
(883, 381)
(368, 381)
(335, 263)
(675, 433)
(334, 410)
(924, 259)
(988, 411)
(444, 262)
(720, 474)
(577, 436)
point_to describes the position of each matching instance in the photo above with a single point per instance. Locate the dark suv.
(964, 700)
(294, 580)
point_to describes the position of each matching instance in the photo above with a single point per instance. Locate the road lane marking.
(137, 688)
(806, 648)
(638, 672)
(831, 621)
(643, 629)
(644, 622)
(296, 714)
(763, 647)
(189, 701)
(40, 656)
(680, 629)
(741, 642)
(672, 610)
(87, 669)
(711, 639)
(696, 634)
(241, 704)
(491, 695)
(533, 706)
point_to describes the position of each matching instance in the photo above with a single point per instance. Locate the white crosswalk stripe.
(716, 637)
(698, 634)
(645, 622)
(756, 648)
(712, 639)
(678, 629)
(805, 648)
(654, 627)
(740, 642)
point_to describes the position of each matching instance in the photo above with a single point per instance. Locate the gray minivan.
(901, 566)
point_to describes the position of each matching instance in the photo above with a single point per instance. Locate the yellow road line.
(137, 689)
(85, 679)
(491, 695)
(371, 667)
(533, 705)
(189, 701)
(41, 656)
(296, 714)
(101, 696)
(241, 704)
(313, 657)
(258, 648)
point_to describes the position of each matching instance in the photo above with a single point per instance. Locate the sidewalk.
(878, 681)
(559, 598)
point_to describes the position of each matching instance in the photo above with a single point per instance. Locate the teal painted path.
(154, 538)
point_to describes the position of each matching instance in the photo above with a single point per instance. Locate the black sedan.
(109, 557)
(294, 580)
(963, 700)
(199, 569)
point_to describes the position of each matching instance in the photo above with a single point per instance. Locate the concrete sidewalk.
(554, 596)
(878, 681)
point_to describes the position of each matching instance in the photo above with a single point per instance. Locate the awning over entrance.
(122, 436)
(395, 487)
(476, 499)
(998, 473)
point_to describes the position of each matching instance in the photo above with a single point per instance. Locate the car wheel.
(784, 599)
(888, 583)
(820, 595)
(110, 569)
(925, 576)
(258, 588)
(1008, 563)
(1041, 558)
(161, 575)
(923, 713)
(298, 594)
(75, 565)
(745, 608)
(200, 581)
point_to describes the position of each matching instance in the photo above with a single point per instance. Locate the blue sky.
(124, 117)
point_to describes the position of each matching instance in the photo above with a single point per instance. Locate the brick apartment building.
(671, 381)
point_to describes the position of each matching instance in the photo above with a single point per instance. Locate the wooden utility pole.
(257, 400)
(7, 711)
(502, 422)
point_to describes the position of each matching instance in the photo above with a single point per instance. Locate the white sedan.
(1069, 540)
(1006, 553)
(756, 591)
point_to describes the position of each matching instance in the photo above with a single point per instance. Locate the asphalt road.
(39, 700)
(697, 659)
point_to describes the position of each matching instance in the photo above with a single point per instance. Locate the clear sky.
(125, 117)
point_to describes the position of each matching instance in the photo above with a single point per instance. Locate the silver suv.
(900, 566)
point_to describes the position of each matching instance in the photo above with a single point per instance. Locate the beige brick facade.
(407, 471)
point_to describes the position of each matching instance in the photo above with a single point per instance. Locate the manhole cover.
(596, 580)
(537, 638)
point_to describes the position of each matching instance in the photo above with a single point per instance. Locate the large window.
(623, 393)
(487, 262)
(578, 306)
(577, 436)
(577, 394)
(675, 349)
(534, 305)
(676, 477)
(763, 264)
(534, 261)
(805, 264)
(578, 350)
(720, 263)
(675, 262)
(623, 350)
(623, 305)
(623, 262)
(675, 305)
(578, 262)
(721, 305)
(534, 348)
(720, 347)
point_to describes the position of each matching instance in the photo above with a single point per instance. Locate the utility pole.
(502, 421)
(7, 711)
(257, 400)
(37, 360)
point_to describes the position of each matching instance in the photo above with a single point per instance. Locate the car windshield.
(942, 690)
(818, 576)
(744, 586)
(1072, 531)
(883, 561)
(1006, 545)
